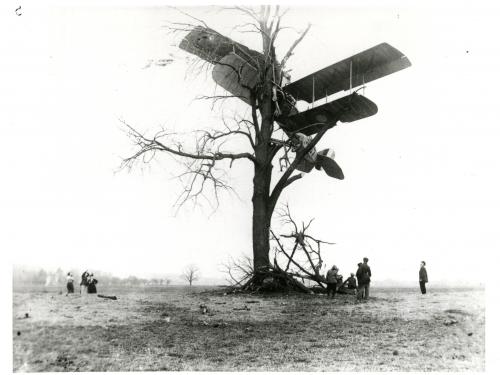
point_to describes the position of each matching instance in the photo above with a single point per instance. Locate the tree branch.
(148, 145)
(294, 45)
(282, 182)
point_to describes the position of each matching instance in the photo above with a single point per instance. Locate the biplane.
(236, 69)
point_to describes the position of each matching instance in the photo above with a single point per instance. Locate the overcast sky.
(420, 176)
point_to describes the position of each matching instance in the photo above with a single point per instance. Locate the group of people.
(360, 284)
(87, 283)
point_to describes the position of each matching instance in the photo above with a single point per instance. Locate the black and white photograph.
(280, 187)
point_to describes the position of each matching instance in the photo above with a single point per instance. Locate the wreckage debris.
(203, 309)
(244, 308)
(114, 298)
(220, 325)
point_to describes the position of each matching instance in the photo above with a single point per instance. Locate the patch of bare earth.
(165, 329)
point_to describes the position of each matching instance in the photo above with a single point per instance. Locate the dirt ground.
(164, 329)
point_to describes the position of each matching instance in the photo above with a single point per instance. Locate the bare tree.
(191, 274)
(207, 162)
(297, 256)
(238, 271)
(299, 249)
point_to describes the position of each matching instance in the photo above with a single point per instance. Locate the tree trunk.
(262, 184)
(261, 218)
(262, 212)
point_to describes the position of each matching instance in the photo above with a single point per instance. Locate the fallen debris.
(252, 301)
(220, 325)
(450, 322)
(114, 298)
(245, 308)
(203, 309)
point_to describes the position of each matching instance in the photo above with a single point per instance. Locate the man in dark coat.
(422, 277)
(364, 275)
(358, 276)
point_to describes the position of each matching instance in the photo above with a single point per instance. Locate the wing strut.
(313, 92)
(350, 79)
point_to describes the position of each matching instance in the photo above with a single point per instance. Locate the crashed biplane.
(236, 69)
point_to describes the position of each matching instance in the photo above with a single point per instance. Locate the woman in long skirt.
(92, 282)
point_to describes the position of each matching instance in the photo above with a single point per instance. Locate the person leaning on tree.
(422, 277)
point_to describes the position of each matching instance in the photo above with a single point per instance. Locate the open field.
(163, 329)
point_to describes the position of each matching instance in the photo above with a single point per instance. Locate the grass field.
(163, 329)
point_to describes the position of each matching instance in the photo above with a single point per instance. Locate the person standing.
(364, 275)
(92, 284)
(69, 283)
(422, 277)
(359, 292)
(331, 281)
(84, 283)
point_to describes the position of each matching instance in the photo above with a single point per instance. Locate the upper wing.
(211, 46)
(346, 109)
(354, 71)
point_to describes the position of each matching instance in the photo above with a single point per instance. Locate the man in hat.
(422, 276)
(331, 281)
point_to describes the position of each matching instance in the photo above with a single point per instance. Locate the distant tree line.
(43, 277)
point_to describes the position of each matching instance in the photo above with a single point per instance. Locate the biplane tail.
(326, 161)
